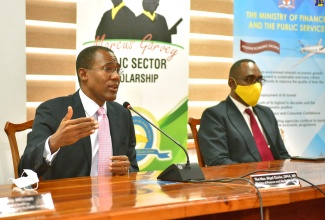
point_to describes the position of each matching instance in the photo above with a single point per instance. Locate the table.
(141, 196)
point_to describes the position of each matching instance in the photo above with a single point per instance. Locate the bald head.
(235, 70)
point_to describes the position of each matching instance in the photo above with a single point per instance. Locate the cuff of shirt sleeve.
(48, 157)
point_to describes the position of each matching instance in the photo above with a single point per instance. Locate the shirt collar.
(149, 15)
(116, 9)
(89, 105)
(240, 106)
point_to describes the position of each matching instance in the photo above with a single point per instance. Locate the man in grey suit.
(64, 141)
(225, 134)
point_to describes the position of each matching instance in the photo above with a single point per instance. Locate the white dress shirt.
(242, 108)
(91, 108)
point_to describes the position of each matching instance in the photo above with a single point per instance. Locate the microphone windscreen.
(126, 105)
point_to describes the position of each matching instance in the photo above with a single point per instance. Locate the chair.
(193, 125)
(11, 130)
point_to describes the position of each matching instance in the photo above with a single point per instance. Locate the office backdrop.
(286, 39)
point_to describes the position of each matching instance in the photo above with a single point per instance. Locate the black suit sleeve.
(32, 157)
(213, 139)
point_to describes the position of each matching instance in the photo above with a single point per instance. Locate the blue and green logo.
(147, 139)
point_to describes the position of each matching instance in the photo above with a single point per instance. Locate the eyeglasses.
(110, 70)
(252, 80)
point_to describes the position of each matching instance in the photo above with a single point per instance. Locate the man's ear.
(83, 75)
(232, 84)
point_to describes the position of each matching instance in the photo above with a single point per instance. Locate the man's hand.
(72, 130)
(120, 165)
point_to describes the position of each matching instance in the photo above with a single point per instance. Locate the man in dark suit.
(116, 23)
(225, 134)
(64, 138)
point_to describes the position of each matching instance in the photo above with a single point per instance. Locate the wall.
(51, 51)
(12, 77)
(210, 51)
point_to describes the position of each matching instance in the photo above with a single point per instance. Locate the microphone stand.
(175, 172)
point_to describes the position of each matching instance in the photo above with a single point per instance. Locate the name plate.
(25, 204)
(275, 180)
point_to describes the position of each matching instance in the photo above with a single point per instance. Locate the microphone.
(175, 172)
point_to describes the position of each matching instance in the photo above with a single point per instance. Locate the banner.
(285, 39)
(153, 50)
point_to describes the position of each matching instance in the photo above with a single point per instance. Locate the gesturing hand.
(72, 130)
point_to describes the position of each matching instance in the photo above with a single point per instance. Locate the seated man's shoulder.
(117, 106)
(263, 107)
(221, 106)
(57, 100)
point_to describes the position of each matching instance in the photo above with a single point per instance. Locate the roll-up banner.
(151, 41)
(286, 39)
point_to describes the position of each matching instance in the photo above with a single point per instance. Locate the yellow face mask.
(249, 94)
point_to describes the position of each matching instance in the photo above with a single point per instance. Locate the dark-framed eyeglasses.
(252, 80)
(110, 70)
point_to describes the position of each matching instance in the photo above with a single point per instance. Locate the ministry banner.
(151, 41)
(286, 39)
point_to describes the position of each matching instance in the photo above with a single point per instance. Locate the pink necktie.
(105, 143)
(261, 143)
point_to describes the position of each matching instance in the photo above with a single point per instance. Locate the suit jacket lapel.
(78, 112)
(263, 119)
(113, 117)
(236, 118)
